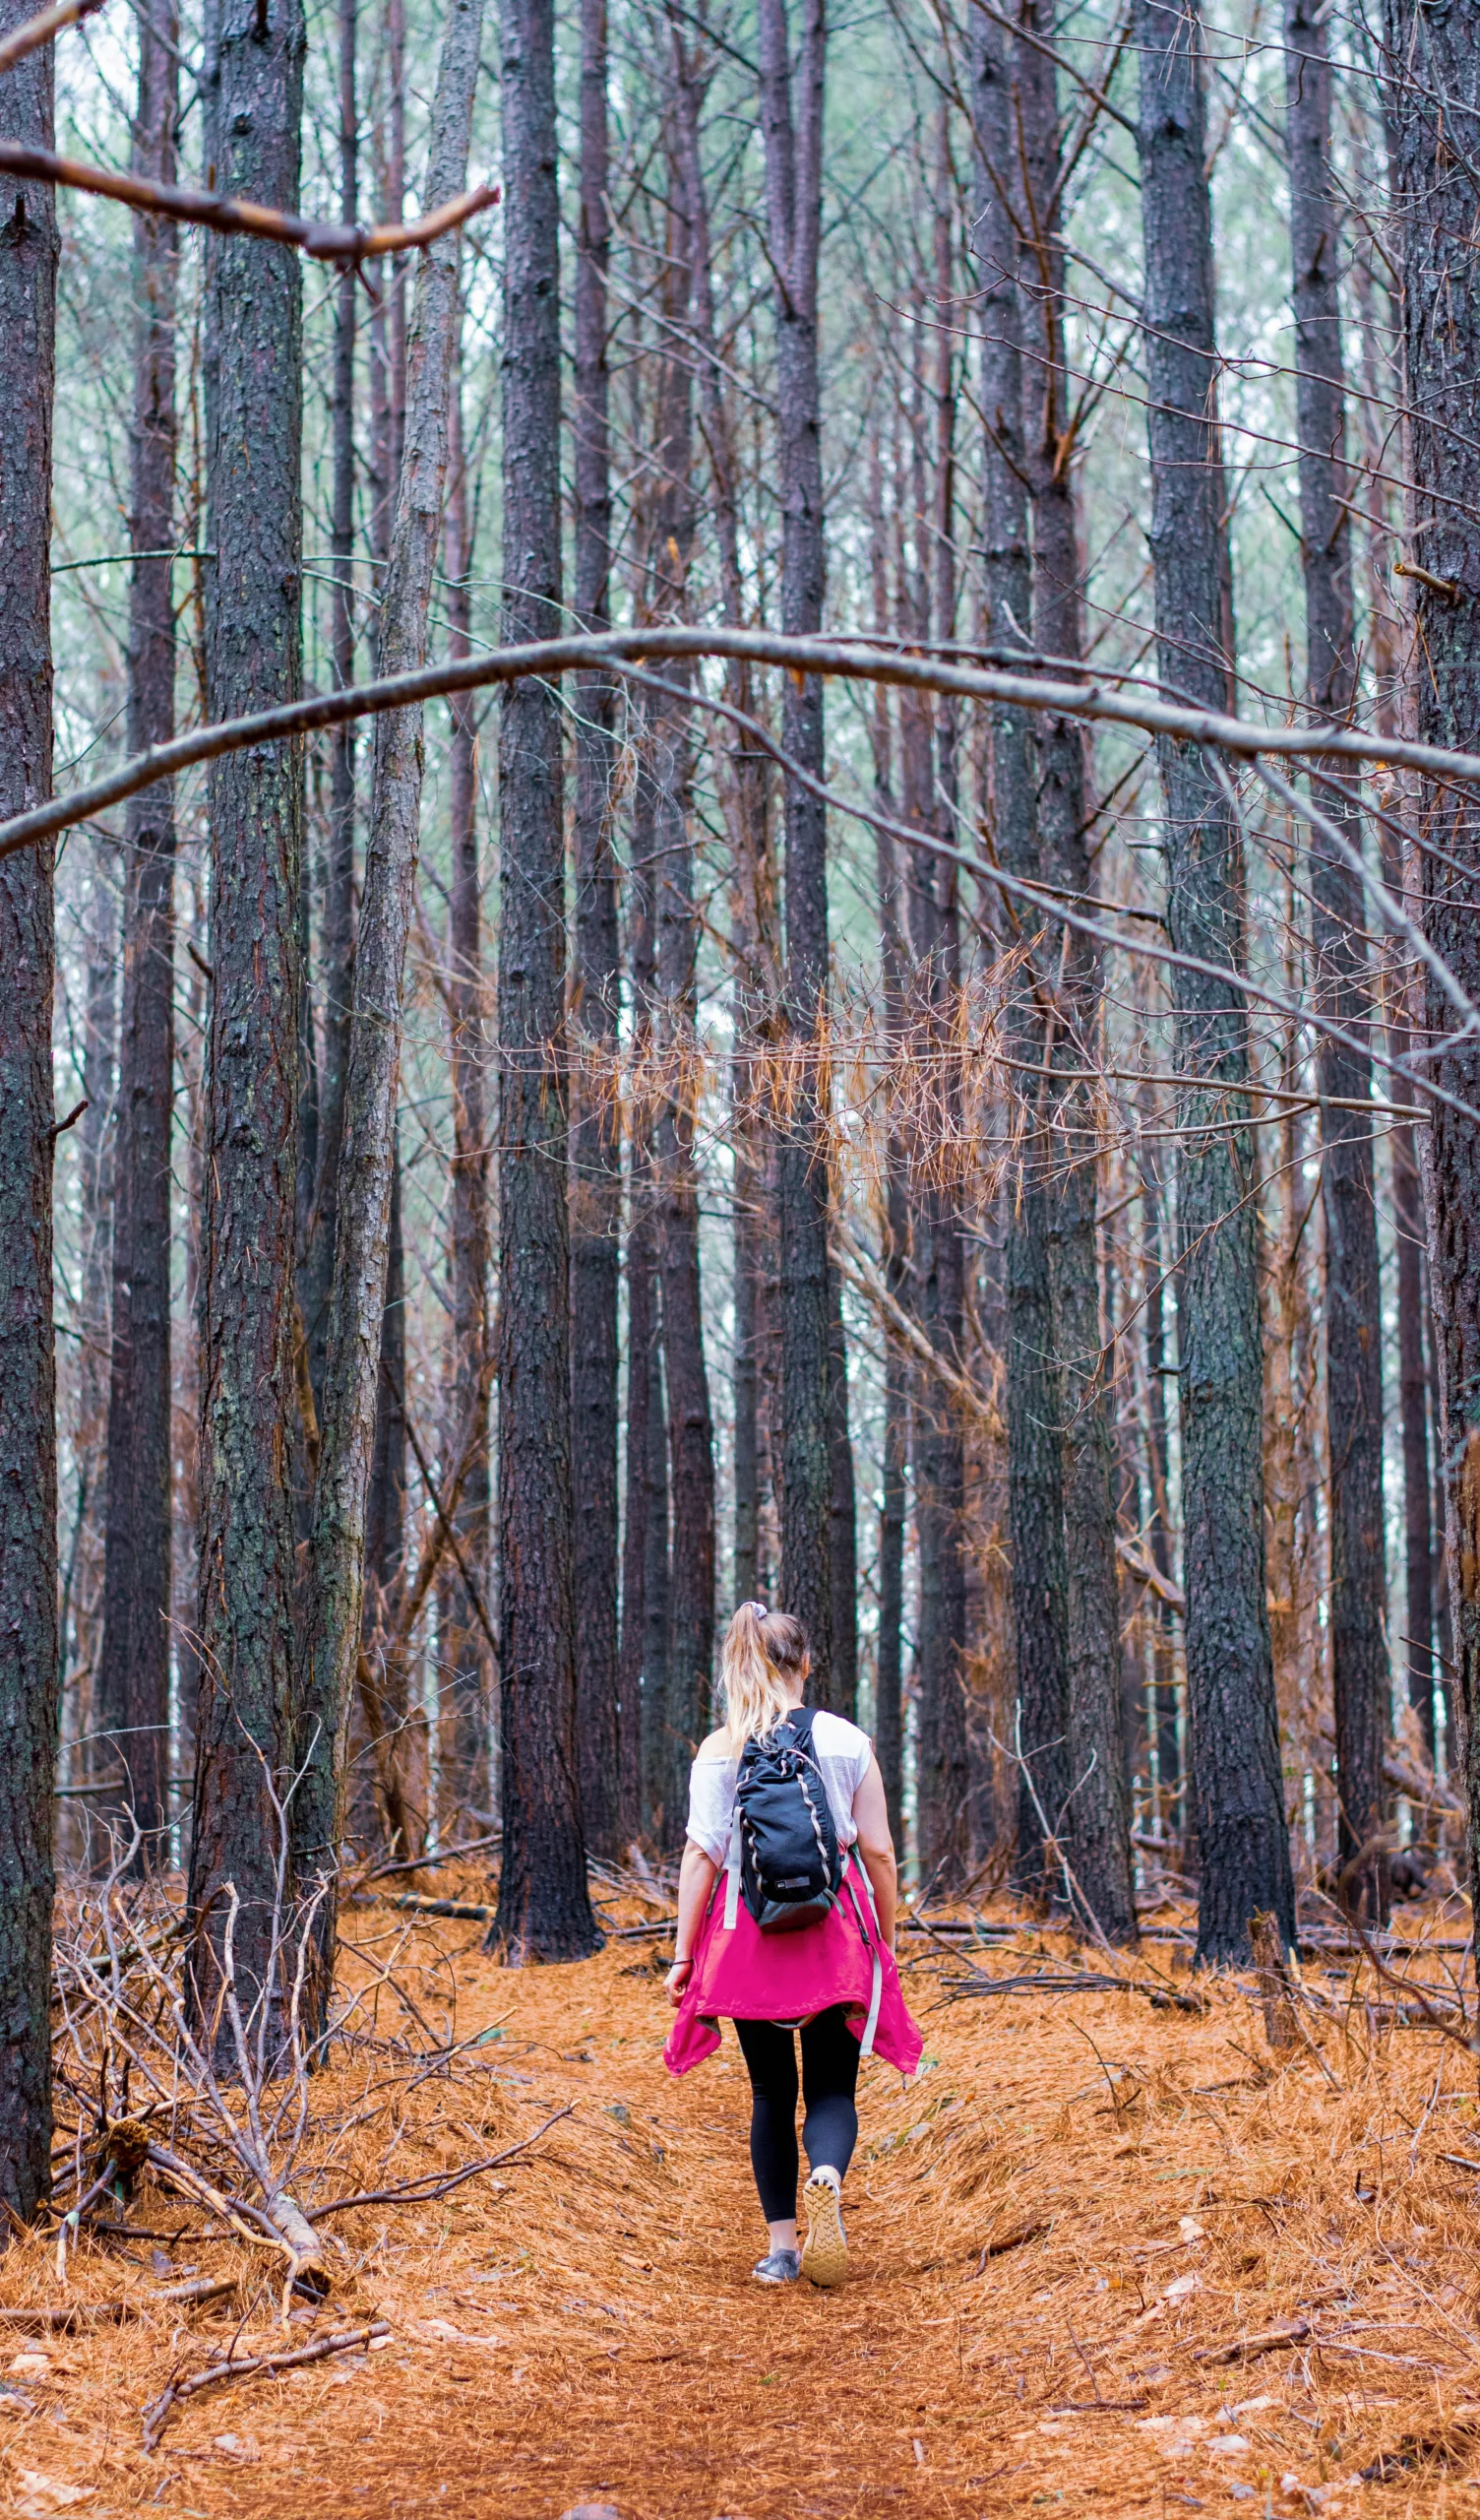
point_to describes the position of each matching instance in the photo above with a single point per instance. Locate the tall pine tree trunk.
(691, 1439)
(595, 1136)
(466, 1674)
(943, 1773)
(27, 951)
(337, 956)
(132, 1690)
(1035, 1484)
(253, 430)
(1242, 1845)
(545, 1910)
(1433, 124)
(359, 1307)
(792, 130)
(1099, 1817)
(1360, 1675)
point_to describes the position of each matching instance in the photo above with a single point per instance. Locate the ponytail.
(763, 1652)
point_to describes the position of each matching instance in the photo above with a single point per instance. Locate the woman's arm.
(877, 1849)
(697, 1876)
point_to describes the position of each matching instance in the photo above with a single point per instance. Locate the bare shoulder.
(714, 1746)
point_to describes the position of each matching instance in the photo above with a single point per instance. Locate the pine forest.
(739, 864)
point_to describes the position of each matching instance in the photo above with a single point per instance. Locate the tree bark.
(336, 958)
(1036, 1489)
(1361, 1679)
(544, 1910)
(691, 1441)
(595, 1136)
(1099, 1815)
(1433, 124)
(131, 1692)
(359, 1303)
(888, 1667)
(794, 208)
(29, 1677)
(467, 1673)
(253, 430)
(1169, 1797)
(1243, 1843)
(746, 786)
(943, 1778)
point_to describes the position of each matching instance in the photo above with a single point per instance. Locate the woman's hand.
(677, 1980)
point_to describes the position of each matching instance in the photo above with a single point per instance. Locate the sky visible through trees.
(985, 1160)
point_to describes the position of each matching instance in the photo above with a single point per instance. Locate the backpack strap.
(875, 1997)
(732, 1874)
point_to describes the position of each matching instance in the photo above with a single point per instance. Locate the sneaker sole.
(824, 2258)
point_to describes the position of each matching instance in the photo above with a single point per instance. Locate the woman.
(833, 1980)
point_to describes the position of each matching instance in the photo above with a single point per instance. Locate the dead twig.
(62, 2318)
(426, 2190)
(1020, 2238)
(1247, 2349)
(216, 2375)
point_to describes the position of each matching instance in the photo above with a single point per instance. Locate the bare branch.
(324, 242)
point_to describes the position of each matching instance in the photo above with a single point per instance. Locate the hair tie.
(760, 1609)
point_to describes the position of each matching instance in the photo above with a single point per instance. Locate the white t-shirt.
(841, 1752)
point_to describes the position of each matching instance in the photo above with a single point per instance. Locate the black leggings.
(830, 2078)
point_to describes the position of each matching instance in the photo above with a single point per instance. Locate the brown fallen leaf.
(40, 2495)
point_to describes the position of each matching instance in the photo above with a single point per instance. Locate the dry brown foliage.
(1107, 2256)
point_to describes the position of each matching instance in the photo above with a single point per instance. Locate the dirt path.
(584, 2331)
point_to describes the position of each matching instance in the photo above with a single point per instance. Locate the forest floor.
(1054, 2232)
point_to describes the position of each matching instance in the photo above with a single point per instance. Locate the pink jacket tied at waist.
(741, 1974)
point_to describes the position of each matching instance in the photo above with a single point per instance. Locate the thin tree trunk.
(28, 1676)
(691, 1443)
(336, 959)
(793, 198)
(943, 1770)
(595, 1136)
(1243, 1843)
(132, 1691)
(888, 1667)
(1169, 1803)
(254, 419)
(545, 1910)
(467, 1676)
(1099, 1817)
(359, 1299)
(1036, 1489)
(399, 1729)
(1360, 1675)
(635, 1531)
(753, 943)
(1433, 124)
(843, 1694)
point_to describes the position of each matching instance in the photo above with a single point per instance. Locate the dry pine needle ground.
(579, 2327)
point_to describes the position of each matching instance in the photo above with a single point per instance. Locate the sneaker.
(783, 2266)
(824, 2254)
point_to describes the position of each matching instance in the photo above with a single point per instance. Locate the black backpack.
(791, 1865)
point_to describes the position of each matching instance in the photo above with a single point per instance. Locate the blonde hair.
(764, 1651)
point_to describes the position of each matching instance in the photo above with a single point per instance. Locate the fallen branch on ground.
(421, 1906)
(1020, 2238)
(216, 2375)
(1247, 2349)
(435, 2183)
(61, 2318)
(1081, 1983)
